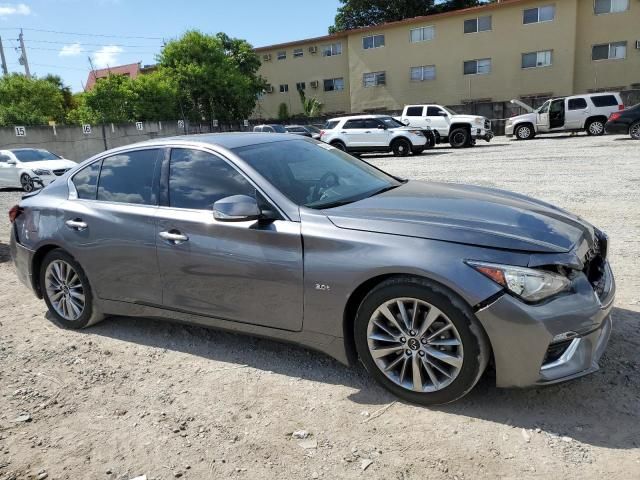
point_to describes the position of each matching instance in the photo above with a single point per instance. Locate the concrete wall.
(70, 142)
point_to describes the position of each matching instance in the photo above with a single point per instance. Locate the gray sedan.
(285, 237)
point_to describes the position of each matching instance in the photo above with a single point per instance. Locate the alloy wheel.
(27, 183)
(415, 345)
(65, 290)
(524, 133)
(596, 128)
(634, 131)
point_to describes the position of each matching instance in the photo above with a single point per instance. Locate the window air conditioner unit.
(313, 49)
(315, 84)
(269, 89)
(266, 57)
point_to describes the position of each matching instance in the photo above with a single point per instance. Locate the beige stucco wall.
(569, 36)
(598, 29)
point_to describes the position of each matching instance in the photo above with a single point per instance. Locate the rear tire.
(595, 128)
(66, 291)
(459, 138)
(524, 132)
(420, 361)
(401, 147)
(634, 130)
(339, 145)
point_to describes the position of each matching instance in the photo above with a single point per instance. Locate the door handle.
(76, 224)
(344, 133)
(174, 237)
(368, 131)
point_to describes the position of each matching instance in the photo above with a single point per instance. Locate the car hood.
(465, 214)
(48, 164)
(467, 118)
(529, 117)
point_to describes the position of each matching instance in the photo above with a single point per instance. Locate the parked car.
(458, 130)
(285, 237)
(19, 167)
(271, 128)
(566, 114)
(304, 130)
(375, 133)
(626, 122)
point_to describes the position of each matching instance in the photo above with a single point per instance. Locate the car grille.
(487, 125)
(60, 171)
(594, 263)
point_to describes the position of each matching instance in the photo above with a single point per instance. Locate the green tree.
(312, 107)
(82, 113)
(112, 99)
(29, 101)
(155, 97)
(283, 112)
(67, 95)
(216, 76)
(365, 13)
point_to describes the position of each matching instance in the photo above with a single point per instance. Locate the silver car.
(289, 238)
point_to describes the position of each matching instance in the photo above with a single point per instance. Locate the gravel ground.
(132, 397)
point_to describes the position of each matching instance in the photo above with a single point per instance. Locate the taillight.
(614, 116)
(15, 213)
(321, 132)
(621, 107)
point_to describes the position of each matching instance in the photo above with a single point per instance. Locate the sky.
(116, 32)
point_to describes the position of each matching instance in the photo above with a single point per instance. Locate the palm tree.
(312, 107)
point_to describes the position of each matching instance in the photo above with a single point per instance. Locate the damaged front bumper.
(558, 340)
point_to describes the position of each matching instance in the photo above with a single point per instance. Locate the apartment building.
(492, 53)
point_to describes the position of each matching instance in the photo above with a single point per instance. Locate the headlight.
(418, 133)
(529, 284)
(39, 172)
(479, 121)
(509, 121)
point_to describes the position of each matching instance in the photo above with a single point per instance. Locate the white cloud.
(72, 50)
(107, 56)
(7, 9)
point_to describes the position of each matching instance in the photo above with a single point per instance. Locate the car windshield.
(391, 122)
(278, 128)
(314, 174)
(34, 155)
(450, 111)
(312, 129)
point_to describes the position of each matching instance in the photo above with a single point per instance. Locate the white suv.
(567, 114)
(374, 133)
(459, 130)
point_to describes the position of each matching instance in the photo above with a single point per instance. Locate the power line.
(95, 44)
(83, 34)
(92, 51)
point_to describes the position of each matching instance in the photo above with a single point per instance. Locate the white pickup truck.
(458, 130)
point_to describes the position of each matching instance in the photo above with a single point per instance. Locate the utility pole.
(23, 58)
(5, 70)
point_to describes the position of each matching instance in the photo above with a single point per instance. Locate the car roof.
(356, 117)
(28, 150)
(229, 141)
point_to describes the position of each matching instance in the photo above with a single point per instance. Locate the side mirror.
(382, 127)
(237, 208)
(11, 161)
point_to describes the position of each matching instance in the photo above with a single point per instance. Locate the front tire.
(401, 147)
(66, 291)
(634, 131)
(459, 138)
(26, 182)
(420, 341)
(595, 128)
(524, 132)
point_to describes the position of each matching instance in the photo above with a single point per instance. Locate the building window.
(373, 41)
(536, 59)
(477, 67)
(480, 24)
(284, 88)
(539, 14)
(374, 79)
(609, 51)
(422, 34)
(334, 85)
(301, 86)
(332, 49)
(297, 53)
(282, 55)
(610, 6)
(421, 74)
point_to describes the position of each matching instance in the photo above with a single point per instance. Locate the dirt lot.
(132, 397)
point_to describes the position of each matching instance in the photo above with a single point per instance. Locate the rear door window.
(415, 111)
(86, 181)
(198, 179)
(604, 100)
(128, 178)
(577, 104)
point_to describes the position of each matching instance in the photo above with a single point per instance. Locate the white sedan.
(20, 166)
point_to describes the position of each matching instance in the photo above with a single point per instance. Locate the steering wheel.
(327, 181)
